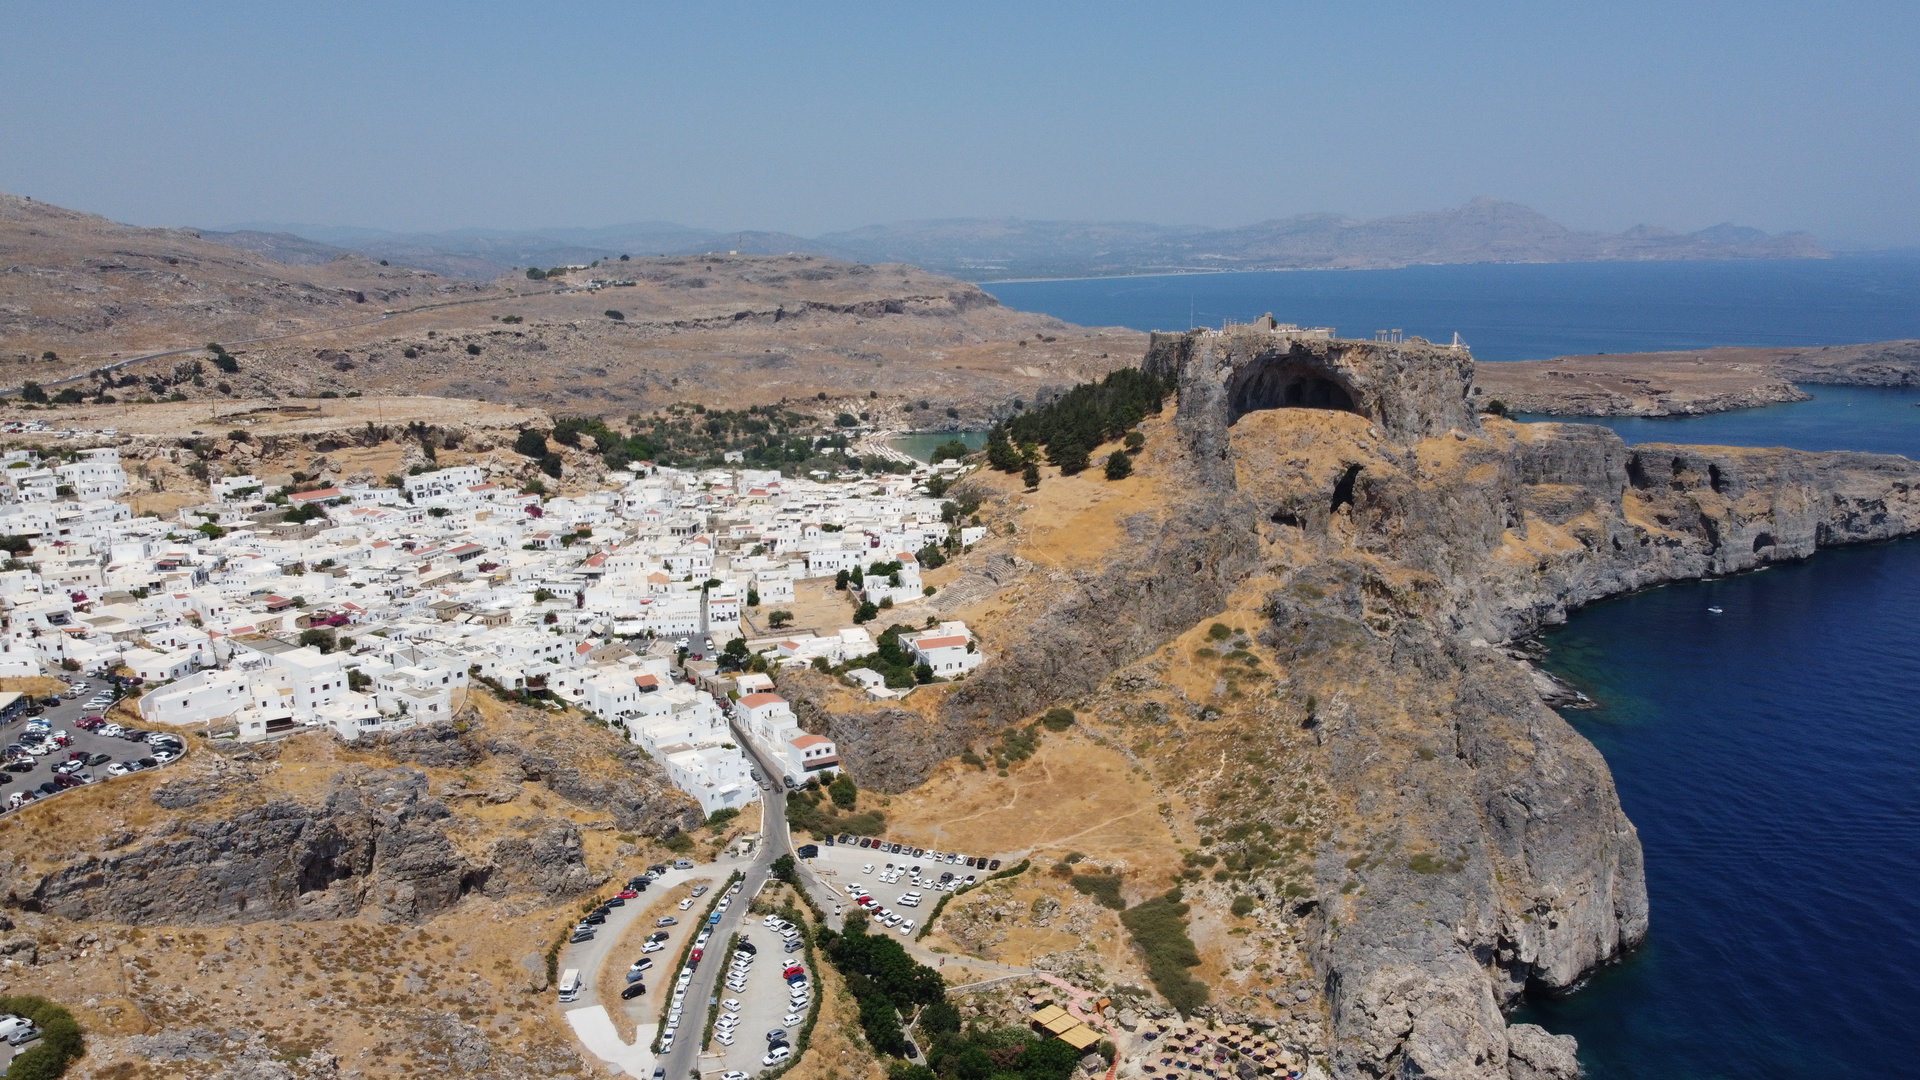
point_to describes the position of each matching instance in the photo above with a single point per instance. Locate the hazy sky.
(813, 117)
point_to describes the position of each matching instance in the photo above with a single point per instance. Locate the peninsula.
(1690, 382)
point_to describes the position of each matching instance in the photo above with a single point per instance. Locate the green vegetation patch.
(60, 1040)
(1159, 927)
(1102, 887)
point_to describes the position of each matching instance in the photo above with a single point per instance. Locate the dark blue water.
(1770, 755)
(1530, 312)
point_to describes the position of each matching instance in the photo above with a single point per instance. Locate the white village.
(369, 609)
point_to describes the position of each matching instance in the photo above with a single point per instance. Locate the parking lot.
(888, 876)
(66, 717)
(760, 1000)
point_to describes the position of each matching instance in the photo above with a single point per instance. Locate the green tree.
(753, 596)
(866, 612)
(31, 391)
(531, 442)
(1134, 441)
(1119, 465)
(778, 619)
(784, 869)
(319, 637)
(1031, 476)
(843, 791)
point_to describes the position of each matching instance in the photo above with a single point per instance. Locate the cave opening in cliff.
(1289, 383)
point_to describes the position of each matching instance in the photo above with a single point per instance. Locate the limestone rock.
(1533, 1054)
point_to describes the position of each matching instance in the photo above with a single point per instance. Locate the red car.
(693, 958)
(628, 894)
(795, 969)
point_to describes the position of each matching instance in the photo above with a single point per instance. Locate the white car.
(731, 1005)
(867, 869)
(687, 903)
(724, 1038)
(649, 947)
(906, 926)
(791, 1019)
(733, 1076)
(119, 768)
(777, 1055)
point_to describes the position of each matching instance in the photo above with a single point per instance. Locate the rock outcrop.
(375, 842)
(1482, 851)
(1409, 390)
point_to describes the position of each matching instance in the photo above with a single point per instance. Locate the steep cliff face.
(376, 841)
(1409, 390)
(1477, 848)
(244, 838)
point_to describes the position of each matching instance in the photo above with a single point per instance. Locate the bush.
(227, 364)
(1059, 719)
(31, 391)
(1134, 441)
(1102, 887)
(534, 273)
(866, 612)
(843, 791)
(679, 843)
(783, 869)
(1119, 465)
(1159, 927)
(778, 619)
(473, 350)
(616, 316)
(1497, 407)
(1243, 906)
(531, 442)
(1031, 476)
(60, 1042)
(318, 637)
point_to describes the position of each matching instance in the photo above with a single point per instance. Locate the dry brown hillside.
(717, 329)
(92, 291)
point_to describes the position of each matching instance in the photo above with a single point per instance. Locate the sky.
(808, 118)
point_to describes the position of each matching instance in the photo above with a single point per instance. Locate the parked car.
(777, 1055)
(632, 991)
(666, 920)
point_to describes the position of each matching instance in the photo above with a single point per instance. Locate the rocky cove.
(1390, 548)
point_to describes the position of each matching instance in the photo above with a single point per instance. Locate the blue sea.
(1769, 754)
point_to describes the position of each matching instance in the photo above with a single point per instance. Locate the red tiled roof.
(754, 701)
(939, 642)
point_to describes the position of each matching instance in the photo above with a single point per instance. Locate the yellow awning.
(1079, 1036)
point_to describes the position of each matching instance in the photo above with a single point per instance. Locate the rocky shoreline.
(1399, 543)
(1691, 383)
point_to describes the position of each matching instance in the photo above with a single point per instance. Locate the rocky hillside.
(409, 887)
(92, 291)
(728, 331)
(1299, 624)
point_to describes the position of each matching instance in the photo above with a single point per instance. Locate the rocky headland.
(1689, 383)
(1437, 841)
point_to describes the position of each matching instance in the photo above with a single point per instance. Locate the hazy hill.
(726, 330)
(1484, 230)
(80, 285)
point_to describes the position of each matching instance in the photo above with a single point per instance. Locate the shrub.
(1030, 476)
(31, 391)
(1058, 719)
(1242, 906)
(531, 442)
(1159, 927)
(843, 791)
(534, 273)
(1497, 407)
(473, 350)
(778, 619)
(616, 316)
(1134, 441)
(1119, 465)
(60, 1042)
(1102, 887)
(319, 638)
(866, 612)
(679, 843)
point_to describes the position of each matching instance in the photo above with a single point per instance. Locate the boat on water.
(1713, 611)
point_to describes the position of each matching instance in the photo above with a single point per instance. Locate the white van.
(569, 984)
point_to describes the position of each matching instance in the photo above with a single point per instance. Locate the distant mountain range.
(1482, 231)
